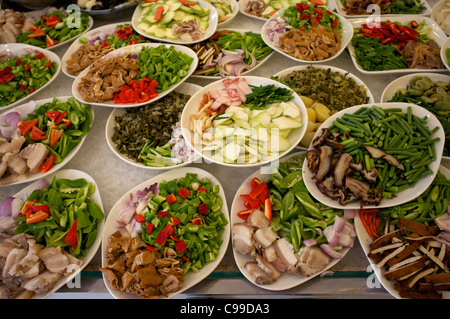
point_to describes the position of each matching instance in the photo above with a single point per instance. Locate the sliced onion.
(330, 251)
(339, 224)
(310, 242)
(443, 222)
(6, 206)
(332, 236)
(349, 213)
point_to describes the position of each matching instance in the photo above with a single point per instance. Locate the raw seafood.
(131, 268)
(84, 56)
(107, 76)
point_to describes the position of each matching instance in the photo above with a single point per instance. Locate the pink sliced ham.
(233, 94)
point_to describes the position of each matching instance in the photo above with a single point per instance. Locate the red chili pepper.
(54, 136)
(335, 23)
(184, 192)
(197, 221)
(303, 16)
(201, 190)
(49, 64)
(163, 214)
(60, 117)
(244, 213)
(37, 217)
(48, 164)
(105, 44)
(37, 134)
(255, 192)
(414, 24)
(27, 67)
(175, 221)
(315, 22)
(150, 248)
(139, 218)
(37, 33)
(23, 87)
(18, 61)
(38, 208)
(180, 246)
(53, 115)
(72, 236)
(168, 229)
(161, 239)
(171, 199)
(25, 126)
(40, 55)
(251, 203)
(149, 228)
(51, 42)
(202, 209)
(187, 3)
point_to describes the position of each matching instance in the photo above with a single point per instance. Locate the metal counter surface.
(350, 278)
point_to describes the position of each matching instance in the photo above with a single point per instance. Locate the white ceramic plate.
(233, 14)
(35, 176)
(365, 241)
(58, 45)
(243, 5)
(403, 82)
(438, 7)
(192, 108)
(286, 280)
(102, 31)
(358, 81)
(20, 49)
(436, 33)
(92, 251)
(340, 9)
(215, 77)
(135, 49)
(444, 48)
(191, 278)
(212, 25)
(346, 37)
(185, 88)
(403, 196)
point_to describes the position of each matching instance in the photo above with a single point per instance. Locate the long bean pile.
(405, 136)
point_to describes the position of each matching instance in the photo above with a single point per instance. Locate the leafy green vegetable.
(80, 118)
(68, 200)
(264, 95)
(371, 55)
(202, 238)
(28, 73)
(294, 211)
(405, 7)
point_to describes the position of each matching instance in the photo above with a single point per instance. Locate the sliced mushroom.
(341, 168)
(325, 154)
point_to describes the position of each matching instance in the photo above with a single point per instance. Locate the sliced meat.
(243, 238)
(258, 219)
(312, 260)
